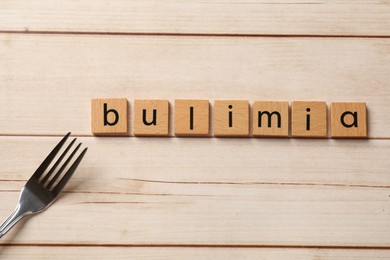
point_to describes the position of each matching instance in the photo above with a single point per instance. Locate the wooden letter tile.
(231, 118)
(348, 120)
(270, 118)
(109, 116)
(309, 119)
(151, 117)
(192, 117)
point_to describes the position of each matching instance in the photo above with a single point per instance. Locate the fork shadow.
(74, 185)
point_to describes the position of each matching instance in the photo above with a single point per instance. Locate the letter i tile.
(309, 119)
(231, 118)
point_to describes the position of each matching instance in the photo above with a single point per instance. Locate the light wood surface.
(196, 198)
(74, 253)
(81, 67)
(155, 191)
(290, 17)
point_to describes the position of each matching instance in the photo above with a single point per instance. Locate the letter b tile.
(109, 116)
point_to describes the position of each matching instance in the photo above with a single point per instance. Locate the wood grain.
(328, 162)
(42, 71)
(155, 191)
(179, 198)
(75, 253)
(286, 17)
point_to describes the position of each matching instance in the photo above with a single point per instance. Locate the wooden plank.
(285, 17)
(132, 191)
(56, 76)
(267, 161)
(53, 253)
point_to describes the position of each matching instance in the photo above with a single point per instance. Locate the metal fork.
(40, 191)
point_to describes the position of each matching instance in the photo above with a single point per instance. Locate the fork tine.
(61, 184)
(44, 180)
(41, 169)
(58, 174)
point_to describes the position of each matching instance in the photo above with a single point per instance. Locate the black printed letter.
(110, 111)
(230, 116)
(308, 120)
(154, 121)
(192, 118)
(260, 114)
(355, 119)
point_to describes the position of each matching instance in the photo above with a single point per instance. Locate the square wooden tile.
(309, 119)
(109, 116)
(192, 117)
(151, 117)
(348, 120)
(270, 118)
(231, 118)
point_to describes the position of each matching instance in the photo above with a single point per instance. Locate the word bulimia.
(230, 118)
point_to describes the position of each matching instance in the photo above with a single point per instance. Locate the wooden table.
(200, 198)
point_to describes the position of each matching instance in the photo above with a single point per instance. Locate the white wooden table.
(199, 198)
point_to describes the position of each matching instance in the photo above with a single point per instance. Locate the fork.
(40, 190)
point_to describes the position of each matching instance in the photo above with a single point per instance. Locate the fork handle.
(14, 218)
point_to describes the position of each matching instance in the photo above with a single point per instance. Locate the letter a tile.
(109, 116)
(348, 120)
(151, 117)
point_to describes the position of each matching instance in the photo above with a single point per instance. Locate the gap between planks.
(201, 246)
(217, 183)
(178, 137)
(167, 34)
